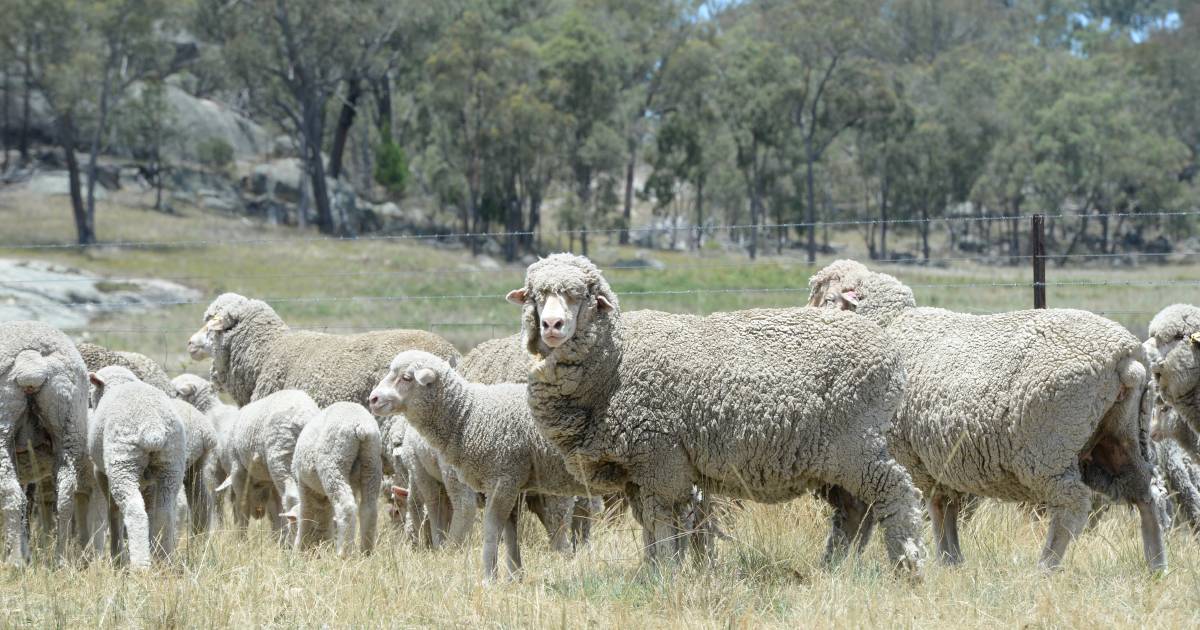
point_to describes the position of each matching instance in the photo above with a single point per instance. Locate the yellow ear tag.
(1196, 338)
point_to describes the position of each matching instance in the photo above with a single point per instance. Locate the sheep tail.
(1133, 374)
(30, 371)
(153, 437)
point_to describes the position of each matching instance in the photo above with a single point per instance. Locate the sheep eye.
(1179, 337)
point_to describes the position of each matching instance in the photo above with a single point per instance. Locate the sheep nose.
(552, 323)
(374, 400)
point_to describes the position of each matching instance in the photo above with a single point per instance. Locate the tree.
(147, 124)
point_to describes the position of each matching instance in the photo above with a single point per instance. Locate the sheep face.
(1172, 327)
(836, 298)
(199, 345)
(410, 373)
(1178, 374)
(191, 388)
(557, 297)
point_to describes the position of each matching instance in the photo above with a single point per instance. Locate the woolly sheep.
(1039, 406)
(505, 360)
(255, 354)
(146, 369)
(439, 504)
(138, 447)
(338, 468)
(263, 444)
(487, 433)
(43, 397)
(1176, 334)
(200, 393)
(197, 480)
(763, 404)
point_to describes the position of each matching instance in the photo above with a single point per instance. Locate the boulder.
(56, 183)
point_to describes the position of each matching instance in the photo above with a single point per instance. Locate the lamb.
(146, 369)
(487, 433)
(1039, 406)
(1176, 334)
(200, 394)
(43, 405)
(763, 404)
(263, 444)
(138, 447)
(434, 487)
(338, 468)
(201, 437)
(255, 354)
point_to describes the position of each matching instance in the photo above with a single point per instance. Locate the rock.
(641, 262)
(284, 146)
(56, 183)
(108, 176)
(280, 180)
(220, 203)
(200, 118)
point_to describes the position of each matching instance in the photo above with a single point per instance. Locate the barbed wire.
(136, 304)
(568, 232)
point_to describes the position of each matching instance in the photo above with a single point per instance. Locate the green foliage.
(215, 153)
(391, 167)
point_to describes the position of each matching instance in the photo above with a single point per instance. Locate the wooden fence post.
(1037, 243)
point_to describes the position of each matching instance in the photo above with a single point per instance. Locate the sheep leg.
(1069, 508)
(943, 515)
(499, 506)
(512, 542)
(199, 499)
(368, 517)
(123, 486)
(1152, 536)
(416, 522)
(850, 524)
(345, 515)
(114, 516)
(462, 510)
(13, 502)
(660, 518)
(429, 492)
(239, 486)
(163, 517)
(211, 479)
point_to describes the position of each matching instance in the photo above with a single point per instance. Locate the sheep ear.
(292, 518)
(602, 304)
(95, 379)
(185, 390)
(425, 376)
(851, 297)
(516, 296)
(216, 323)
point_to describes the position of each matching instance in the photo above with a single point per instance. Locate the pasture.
(769, 574)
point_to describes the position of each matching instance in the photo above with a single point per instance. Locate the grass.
(768, 576)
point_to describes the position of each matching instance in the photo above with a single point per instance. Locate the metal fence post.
(1037, 242)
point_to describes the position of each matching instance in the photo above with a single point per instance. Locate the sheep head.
(1173, 326)
(192, 389)
(1176, 335)
(562, 294)
(409, 376)
(107, 377)
(834, 286)
(849, 286)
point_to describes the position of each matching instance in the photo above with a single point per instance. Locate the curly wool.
(146, 369)
(138, 446)
(762, 404)
(502, 360)
(263, 444)
(1176, 334)
(255, 354)
(1008, 405)
(51, 417)
(339, 471)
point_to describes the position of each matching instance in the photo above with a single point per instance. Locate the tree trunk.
(158, 183)
(4, 123)
(344, 122)
(23, 143)
(1103, 230)
(1014, 247)
(883, 218)
(382, 88)
(535, 219)
(925, 231)
(84, 228)
(699, 212)
(314, 123)
(627, 211)
(811, 210)
(97, 138)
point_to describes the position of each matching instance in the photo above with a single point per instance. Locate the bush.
(215, 153)
(391, 167)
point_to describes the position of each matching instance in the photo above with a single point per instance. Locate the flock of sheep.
(861, 398)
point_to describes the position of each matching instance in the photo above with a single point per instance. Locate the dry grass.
(769, 576)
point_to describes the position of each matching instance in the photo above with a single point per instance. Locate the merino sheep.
(146, 369)
(338, 468)
(43, 401)
(1039, 406)
(138, 447)
(255, 354)
(505, 360)
(439, 504)
(763, 404)
(1176, 334)
(263, 444)
(197, 478)
(200, 394)
(487, 433)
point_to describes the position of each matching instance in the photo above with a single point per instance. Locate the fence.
(350, 300)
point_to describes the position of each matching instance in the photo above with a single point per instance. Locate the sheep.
(338, 469)
(43, 411)
(1176, 334)
(263, 443)
(138, 447)
(200, 394)
(197, 478)
(434, 488)
(146, 369)
(487, 433)
(505, 360)
(1041, 406)
(764, 404)
(255, 354)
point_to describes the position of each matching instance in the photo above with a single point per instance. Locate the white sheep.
(440, 506)
(486, 432)
(255, 354)
(1042, 406)
(146, 369)
(43, 397)
(762, 404)
(200, 394)
(138, 447)
(1176, 334)
(338, 468)
(263, 444)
